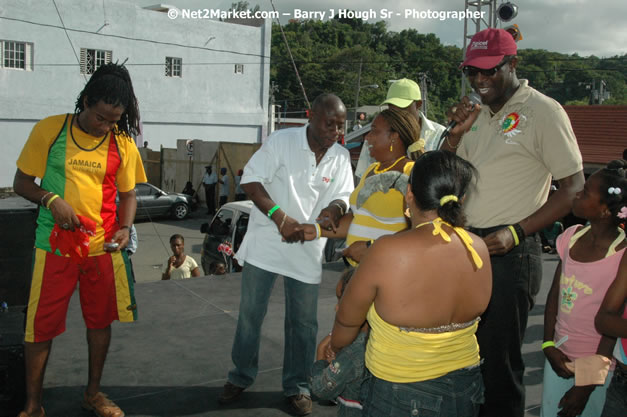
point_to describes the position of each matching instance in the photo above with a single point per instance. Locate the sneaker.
(300, 404)
(101, 405)
(230, 393)
(41, 413)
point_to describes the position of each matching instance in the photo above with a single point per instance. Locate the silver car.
(154, 202)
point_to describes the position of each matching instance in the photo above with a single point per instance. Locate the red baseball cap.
(488, 47)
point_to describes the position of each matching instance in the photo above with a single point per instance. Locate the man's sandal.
(101, 405)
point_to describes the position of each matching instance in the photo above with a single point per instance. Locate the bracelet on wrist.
(43, 198)
(318, 231)
(548, 343)
(514, 235)
(50, 200)
(272, 210)
(450, 145)
(341, 208)
(517, 233)
(282, 222)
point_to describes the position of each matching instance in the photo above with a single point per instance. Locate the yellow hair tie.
(448, 198)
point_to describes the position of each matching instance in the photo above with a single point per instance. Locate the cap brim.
(398, 102)
(483, 62)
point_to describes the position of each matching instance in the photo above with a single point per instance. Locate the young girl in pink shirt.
(590, 261)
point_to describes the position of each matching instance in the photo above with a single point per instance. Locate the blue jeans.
(516, 278)
(456, 394)
(616, 399)
(301, 328)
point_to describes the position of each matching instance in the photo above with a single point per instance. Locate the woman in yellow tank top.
(422, 292)
(378, 204)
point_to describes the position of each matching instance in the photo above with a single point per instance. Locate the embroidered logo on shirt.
(509, 125)
(327, 180)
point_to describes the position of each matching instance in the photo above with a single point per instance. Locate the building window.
(173, 67)
(16, 55)
(239, 68)
(92, 59)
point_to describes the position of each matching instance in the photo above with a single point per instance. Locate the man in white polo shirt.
(299, 175)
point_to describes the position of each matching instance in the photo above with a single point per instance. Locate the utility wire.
(133, 39)
(68, 37)
(302, 87)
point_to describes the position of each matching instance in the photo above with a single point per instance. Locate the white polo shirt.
(286, 167)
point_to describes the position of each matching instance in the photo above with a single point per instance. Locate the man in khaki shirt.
(518, 139)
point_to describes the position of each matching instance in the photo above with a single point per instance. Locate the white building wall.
(209, 102)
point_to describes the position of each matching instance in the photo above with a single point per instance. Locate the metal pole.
(357, 92)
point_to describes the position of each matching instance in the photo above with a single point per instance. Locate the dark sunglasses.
(473, 71)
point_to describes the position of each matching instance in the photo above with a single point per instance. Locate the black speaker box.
(12, 371)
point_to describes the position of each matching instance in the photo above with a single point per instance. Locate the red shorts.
(105, 287)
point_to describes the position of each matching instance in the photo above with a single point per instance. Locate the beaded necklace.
(377, 171)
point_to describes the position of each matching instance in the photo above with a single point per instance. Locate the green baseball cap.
(402, 93)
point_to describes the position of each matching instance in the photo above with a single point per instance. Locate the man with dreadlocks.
(83, 160)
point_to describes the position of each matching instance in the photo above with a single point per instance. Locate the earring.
(407, 213)
(391, 148)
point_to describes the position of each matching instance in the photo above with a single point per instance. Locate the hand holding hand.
(310, 231)
(329, 217)
(292, 231)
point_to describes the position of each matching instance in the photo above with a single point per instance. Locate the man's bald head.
(328, 102)
(326, 121)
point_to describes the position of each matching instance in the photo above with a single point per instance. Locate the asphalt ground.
(174, 360)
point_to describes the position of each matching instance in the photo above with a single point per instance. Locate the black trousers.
(210, 197)
(516, 278)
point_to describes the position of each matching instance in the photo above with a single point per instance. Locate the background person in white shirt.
(299, 175)
(225, 187)
(209, 181)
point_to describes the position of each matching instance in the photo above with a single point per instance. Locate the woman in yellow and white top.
(422, 292)
(377, 204)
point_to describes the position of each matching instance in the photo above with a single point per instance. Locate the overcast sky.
(586, 27)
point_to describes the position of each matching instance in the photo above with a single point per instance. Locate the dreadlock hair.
(112, 84)
(614, 176)
(405, 124)
(437, 174)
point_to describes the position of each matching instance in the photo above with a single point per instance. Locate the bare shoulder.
(480, 246)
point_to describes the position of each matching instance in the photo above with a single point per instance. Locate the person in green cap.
(405, 94)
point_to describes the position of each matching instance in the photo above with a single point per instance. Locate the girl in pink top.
(590, 260)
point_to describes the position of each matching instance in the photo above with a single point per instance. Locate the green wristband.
(272, 210)
(547, 344)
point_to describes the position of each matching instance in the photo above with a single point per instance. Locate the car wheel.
(180, 211)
